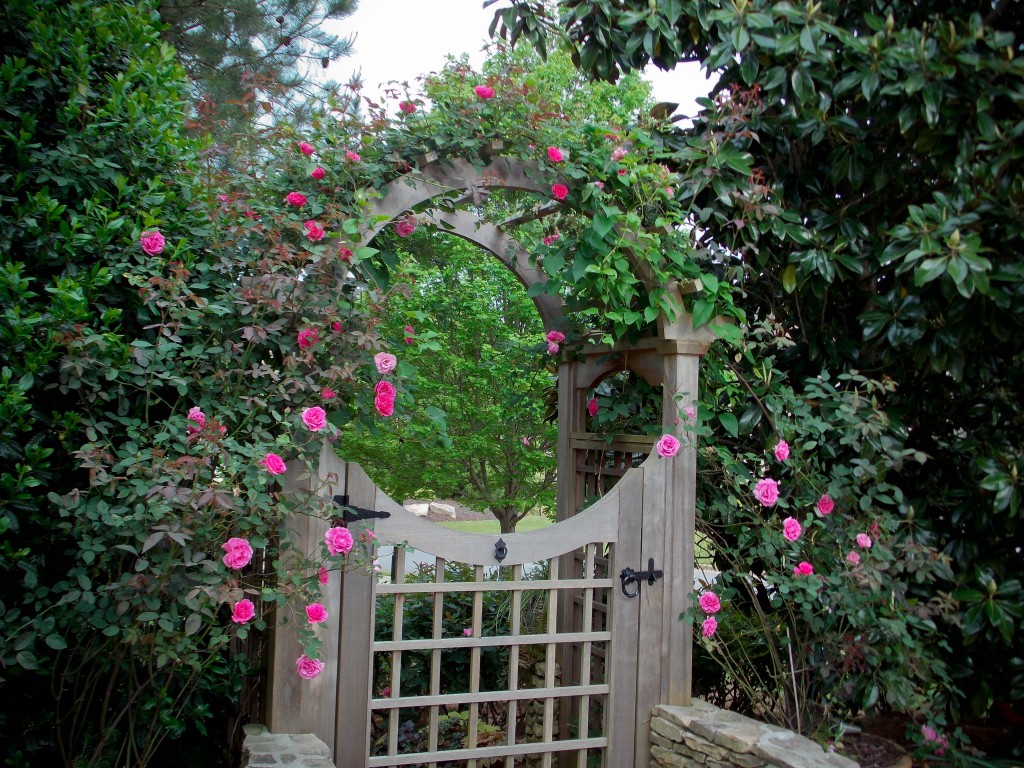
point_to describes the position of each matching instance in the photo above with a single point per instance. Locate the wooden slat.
(398, 574)
(474, 665)
(515, 627)
(548, 638)
(549, 669)
(584, 677)
(479, 697)
(435, 655)
(491, 586)
(486, 752)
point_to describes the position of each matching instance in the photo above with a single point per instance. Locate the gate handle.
(629, 576)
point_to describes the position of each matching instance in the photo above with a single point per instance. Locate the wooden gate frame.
(661, 528)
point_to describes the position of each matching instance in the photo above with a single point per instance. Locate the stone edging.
(704, 735)
(263, 749)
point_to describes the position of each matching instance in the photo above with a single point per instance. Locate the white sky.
(401, 39)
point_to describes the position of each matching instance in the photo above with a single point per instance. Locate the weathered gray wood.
(481, 753)
(623, 623)
(355, 659)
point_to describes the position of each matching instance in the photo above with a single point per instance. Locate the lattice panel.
(434, 639)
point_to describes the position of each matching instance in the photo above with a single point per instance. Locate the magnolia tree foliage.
(867, 195)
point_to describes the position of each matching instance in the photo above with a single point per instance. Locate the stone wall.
(263, 749)
(704, 735)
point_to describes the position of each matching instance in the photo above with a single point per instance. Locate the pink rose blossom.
(623, 172)
(385, 405)
(555, 155)
(551, 239)
(599, 184)
(385, 362)
(314, 418)
(317, 173)
(339, 540)
(709, 602)
(336, 326)
(407, 107)
(314, 231)
(238, 553)
(691, 412)
(667, 446)
(560, 191)
(323, 575)
(409, 333)
(825, 505)
(308, 668)
(526, 442)
(555, 336)
(618, 153)
(852, 558)
(863, 541)
(316, 613)
(295, 198)
(766, 491)
(345, 253)
(803, 569)
(328, 394)
(405, 227)
(709, 627)
(308, 337)
(483, 92)
(273, 463)
(592, 407)
(931, 736)
(223, 198)
(467, 632)
(873, 531)
(385, 389)
(243, 611)
(351, 156)
(782, 450)
(552, 348)
(791, 528)
(152, 242)
(196, 414)
(306, 148)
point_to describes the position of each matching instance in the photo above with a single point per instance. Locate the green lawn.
(529, 523)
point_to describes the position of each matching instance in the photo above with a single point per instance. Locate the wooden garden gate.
(578, 665)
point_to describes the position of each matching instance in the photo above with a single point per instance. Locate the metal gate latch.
(500, 550)
(629, 576)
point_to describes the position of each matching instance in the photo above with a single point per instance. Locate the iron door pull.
(629, 576)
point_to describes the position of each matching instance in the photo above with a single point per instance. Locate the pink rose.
(555, 336)
(526, 442)
(195, 414)
(863, 541)
(709, 602)
(623, 172)
(560, 191)
(314, 231)
(351, 156)
(407, 107)
(306, 148)
(551, 239)
(385, 362)
(385, 389)
(618, 153)
(709, 627)
(409, 333)
(385, 405)
(308, 337)
(314, 418)
(667, 446)
(483, 92)
(467, 632)
(317, 173)
(405, 227)
(599, 184)
(273, 463)
(243, 611)
(552, 348)
(339, 540)
(803, 569)
(152, 242)
(328, 394)
(238, 553)
(791, 529)
(766, 491)
(782, 450)
(345, 253)
(691, 412)
(322, 576)
(316, 613)
(825, 505)
(852, 558)
(308, 668)
(874, 530)
(592, 407)
(295, 198)
(555, 155)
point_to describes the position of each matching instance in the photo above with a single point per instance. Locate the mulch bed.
(872, 751)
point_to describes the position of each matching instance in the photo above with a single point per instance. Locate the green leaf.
(56, 642)
(27, 659)
(729, 423)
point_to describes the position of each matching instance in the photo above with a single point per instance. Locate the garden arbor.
(605, 646)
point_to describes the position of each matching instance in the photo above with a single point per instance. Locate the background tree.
(861, 180)
(477, 351)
